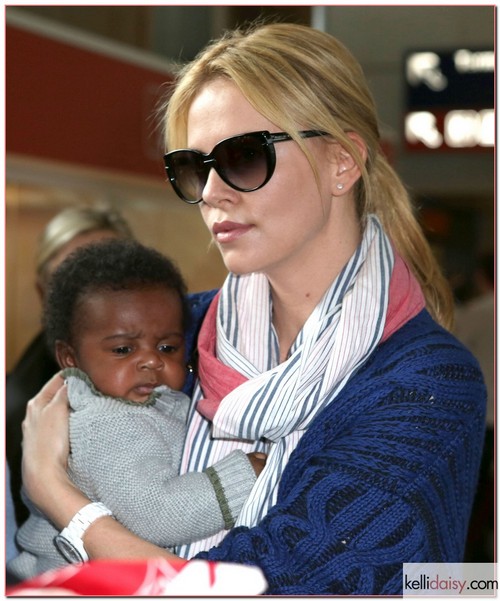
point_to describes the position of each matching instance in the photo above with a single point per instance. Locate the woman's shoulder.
(421, 366)
(421, 369)
(423, 342)
(198, 303)
(425, 358)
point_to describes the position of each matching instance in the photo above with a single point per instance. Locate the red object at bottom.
(153, 577)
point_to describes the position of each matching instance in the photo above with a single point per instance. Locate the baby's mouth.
(146, 388)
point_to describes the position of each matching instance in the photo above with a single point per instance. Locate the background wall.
(75, 135)
(82, 129)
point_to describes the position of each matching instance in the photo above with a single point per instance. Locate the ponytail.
(389, 200)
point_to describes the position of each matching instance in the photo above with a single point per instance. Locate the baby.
(115, 316)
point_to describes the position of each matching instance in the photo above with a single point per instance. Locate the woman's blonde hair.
(301, 78)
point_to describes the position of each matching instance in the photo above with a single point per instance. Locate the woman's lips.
(229, 231)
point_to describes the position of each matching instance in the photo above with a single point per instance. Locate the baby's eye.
(167, 348)
(122, 350)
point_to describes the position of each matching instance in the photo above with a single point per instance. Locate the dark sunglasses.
(245, 162)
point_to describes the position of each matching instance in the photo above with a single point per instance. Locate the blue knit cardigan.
(385, 474)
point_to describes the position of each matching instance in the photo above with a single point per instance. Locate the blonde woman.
(329, 337)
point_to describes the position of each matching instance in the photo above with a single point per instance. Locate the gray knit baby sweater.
(127, 456)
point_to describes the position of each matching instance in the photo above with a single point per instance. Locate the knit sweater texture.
(127, 456)
(384, 475)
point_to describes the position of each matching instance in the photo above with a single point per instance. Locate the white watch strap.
(82, 520)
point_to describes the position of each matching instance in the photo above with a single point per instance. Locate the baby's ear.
(65, 355)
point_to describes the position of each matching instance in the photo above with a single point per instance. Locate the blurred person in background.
(71, 228)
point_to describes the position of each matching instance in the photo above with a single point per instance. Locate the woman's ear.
(346, 171)
(65, 355)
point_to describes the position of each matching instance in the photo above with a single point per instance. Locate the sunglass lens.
(190, 174)
(243, 161)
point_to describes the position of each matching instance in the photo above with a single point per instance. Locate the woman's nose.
(216, 190)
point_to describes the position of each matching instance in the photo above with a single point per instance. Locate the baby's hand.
(258, 461)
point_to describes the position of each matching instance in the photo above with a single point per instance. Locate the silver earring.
(340, 186)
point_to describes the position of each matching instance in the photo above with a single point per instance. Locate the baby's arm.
(130, 460)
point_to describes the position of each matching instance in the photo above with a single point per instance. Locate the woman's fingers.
(45, 439)
(46, 395)
(47, 419)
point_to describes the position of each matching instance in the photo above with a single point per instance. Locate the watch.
(69, 541)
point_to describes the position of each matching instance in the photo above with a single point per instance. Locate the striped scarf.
(274, 403)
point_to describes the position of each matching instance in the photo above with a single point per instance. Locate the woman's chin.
(238, 267)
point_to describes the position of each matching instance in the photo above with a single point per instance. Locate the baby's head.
(117, 310)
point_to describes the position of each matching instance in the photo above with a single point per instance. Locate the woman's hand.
(258, 461)
(45, 454)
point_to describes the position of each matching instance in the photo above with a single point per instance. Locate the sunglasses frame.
(266, 138)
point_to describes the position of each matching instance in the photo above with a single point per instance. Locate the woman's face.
(285, 225)
(129, 341)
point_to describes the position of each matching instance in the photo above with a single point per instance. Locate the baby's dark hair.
(113, 264)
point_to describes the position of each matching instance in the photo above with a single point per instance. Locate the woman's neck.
(297, 290)
(290, 313)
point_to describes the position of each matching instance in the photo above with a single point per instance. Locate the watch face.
(68, 550)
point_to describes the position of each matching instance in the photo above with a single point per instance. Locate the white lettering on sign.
(421, 127)
(462, 129)
(424, 67)
(474, 62)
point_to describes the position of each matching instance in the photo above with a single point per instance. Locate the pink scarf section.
(217, 380)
